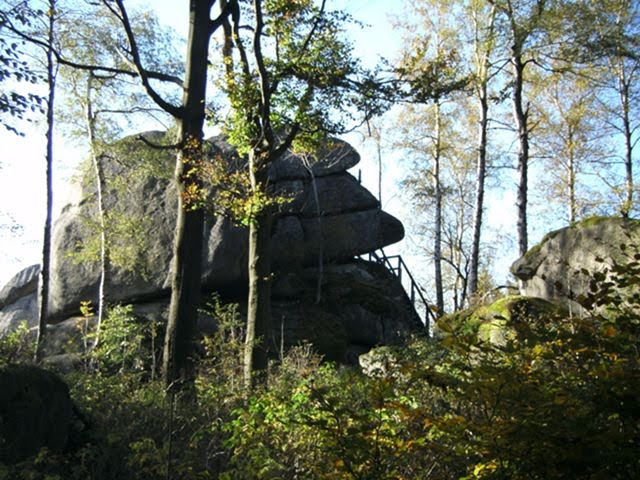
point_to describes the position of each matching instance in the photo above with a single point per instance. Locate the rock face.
(18, 301)
(360, 304)
(35, 412)
(23, 283)
(563, 264)
(350, 223)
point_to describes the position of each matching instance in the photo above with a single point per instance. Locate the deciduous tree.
(484, 43)
(289, 80)
(52, 73)
(430, 68)
(570, 143)
(190, 115)
(521, 26)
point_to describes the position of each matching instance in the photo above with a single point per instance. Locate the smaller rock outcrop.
(493, 323)
(563, 264)
(23, 283)
(18, 301)
(35, 412)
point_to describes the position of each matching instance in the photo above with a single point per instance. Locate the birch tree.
(521, 25)
(609, 36)
(484, 43)
(98, 108)
(430, 68)
(571, 144)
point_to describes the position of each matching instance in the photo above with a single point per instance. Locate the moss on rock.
(492, 323)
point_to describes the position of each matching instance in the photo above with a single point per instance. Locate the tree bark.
(481, 163)
(573, 209)
(628, 141)
(259, 301)
(178, 361)
(100, 186)
(521, 114)
(481, 174)
(437, 187)
(43, 297)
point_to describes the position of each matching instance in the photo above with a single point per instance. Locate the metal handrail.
(397, 270)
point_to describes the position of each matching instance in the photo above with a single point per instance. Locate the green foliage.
(223, 189)
(328, 422)
(126, 234)
(121, 338)
(126, 241)
(558, 397)
(17, 346)
(16, 102)
(220, 379)
(298, 78)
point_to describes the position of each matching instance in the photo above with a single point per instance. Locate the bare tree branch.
(177, 112)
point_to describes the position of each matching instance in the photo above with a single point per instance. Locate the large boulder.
(330, 219)
(35, 412)
(142, 203)
(563, 265)
(343, 311)
(22, 283)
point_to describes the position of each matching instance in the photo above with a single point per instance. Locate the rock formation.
(360, 305)
(563, 264)
(35, 412)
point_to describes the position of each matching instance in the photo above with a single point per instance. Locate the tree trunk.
(573, 209)
(178, 362)
(628, 142)
(521, 114)
(437, 241)
(483, 67)
(259, 301)
(46, 243)
(481, 174)
(100, 187)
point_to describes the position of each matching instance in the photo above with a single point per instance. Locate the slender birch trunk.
(437, 241)
(45, 269)
(96, 160)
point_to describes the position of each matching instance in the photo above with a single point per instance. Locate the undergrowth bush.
(558, 398)
(17, 346)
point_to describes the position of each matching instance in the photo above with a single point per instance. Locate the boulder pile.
(329, 220)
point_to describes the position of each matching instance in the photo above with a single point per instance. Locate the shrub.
(17, 346)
